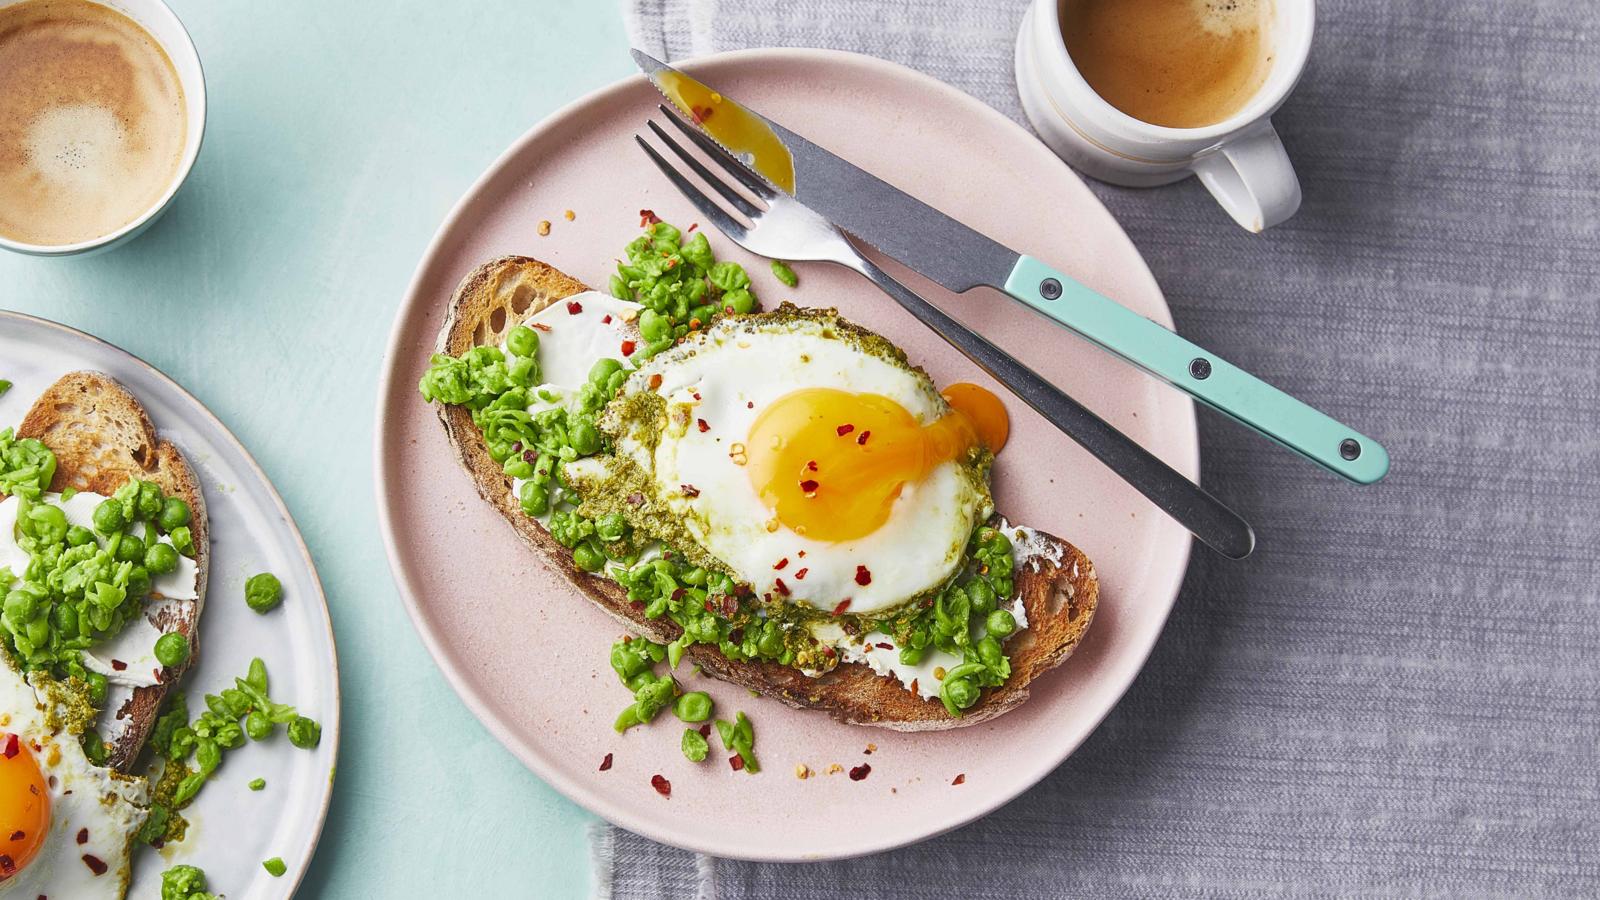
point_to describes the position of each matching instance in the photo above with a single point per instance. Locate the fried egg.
(66, 825)
(807, 457)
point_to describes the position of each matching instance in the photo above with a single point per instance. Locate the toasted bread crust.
(102, 436)
(1060, 594)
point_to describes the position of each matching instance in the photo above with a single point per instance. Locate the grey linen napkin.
(1397, 694)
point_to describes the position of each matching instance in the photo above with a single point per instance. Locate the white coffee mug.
(1240, 159)
(162, 23)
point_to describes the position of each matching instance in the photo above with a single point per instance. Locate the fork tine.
(708, 207)
(716, 151)
(733, 197)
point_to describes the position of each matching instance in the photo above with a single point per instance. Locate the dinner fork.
(775, 225)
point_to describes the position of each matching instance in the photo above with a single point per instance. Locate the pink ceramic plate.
(529, 655)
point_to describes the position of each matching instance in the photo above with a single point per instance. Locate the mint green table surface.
(339, 136)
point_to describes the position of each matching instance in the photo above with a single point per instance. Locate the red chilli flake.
(655, 381)
(811, 465)
(700, 113)
(606, 319)
(800, 574)
(95, 864)
(883, 645)
(780, 587)
(18, 835)
(690, 490)
(539, 326)
(647, 218)
(662, 786)
(635, 499)
(628, 348)
(691, 228)
(701, 424)
(83, 835)
(845, 429)
(574, 307)
(118, 665)
(863, 577)
(729, 607)
(12, 746)
(8, 866)
(778, 566)
(859, 773)
(809, 486)
(605, 764)
(705, 730)
(843, 605)
(736, 761)
(861, 439)
(750, 404)
(960, 779)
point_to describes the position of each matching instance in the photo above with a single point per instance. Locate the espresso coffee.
(1176, 63)
(93, 123)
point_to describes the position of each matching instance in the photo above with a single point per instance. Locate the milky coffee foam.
(92, 121)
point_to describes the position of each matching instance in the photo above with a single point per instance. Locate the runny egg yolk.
(732, 126)
(830, 463)
(984, 410)
(24, 806)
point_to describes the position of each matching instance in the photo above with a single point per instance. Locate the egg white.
(725, 379)
(106, 808)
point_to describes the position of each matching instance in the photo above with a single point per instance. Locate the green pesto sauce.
(71, 708)
(163, 792)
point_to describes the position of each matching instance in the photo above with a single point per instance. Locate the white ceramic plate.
(232, 829)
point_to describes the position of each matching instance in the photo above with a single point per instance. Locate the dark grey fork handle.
(1217, 526)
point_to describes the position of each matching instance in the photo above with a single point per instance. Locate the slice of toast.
(102, 437)
(1060, 596)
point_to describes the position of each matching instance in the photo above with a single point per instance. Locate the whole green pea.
(653, 326)
(161, 559)
(257, 725)
(304, 733)
(522, 341)
(771, 642)
(138, 586)
(910, 656)
(695, 706)
(587, 558)
(110, 517)
(535, 499)
(98, 686)
(619, 288)
(263, 592)
(611, 527)
(585, 437)
(174, 514)
(149, 501)
(129, 549)
(21, 606)
(66, 621)
(1001, 623)
(172, 649)
(982, 596)
(600, 373)
(182, 540)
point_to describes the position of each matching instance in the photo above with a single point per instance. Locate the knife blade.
(961, 258)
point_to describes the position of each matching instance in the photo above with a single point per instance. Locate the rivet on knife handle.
(1207, 377)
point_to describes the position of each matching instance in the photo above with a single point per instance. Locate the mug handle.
(1252, 178)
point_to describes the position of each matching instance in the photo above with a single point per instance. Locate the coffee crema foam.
(93, 123)
(1177, 63)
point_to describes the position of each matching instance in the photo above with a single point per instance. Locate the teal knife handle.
(1207, 377)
